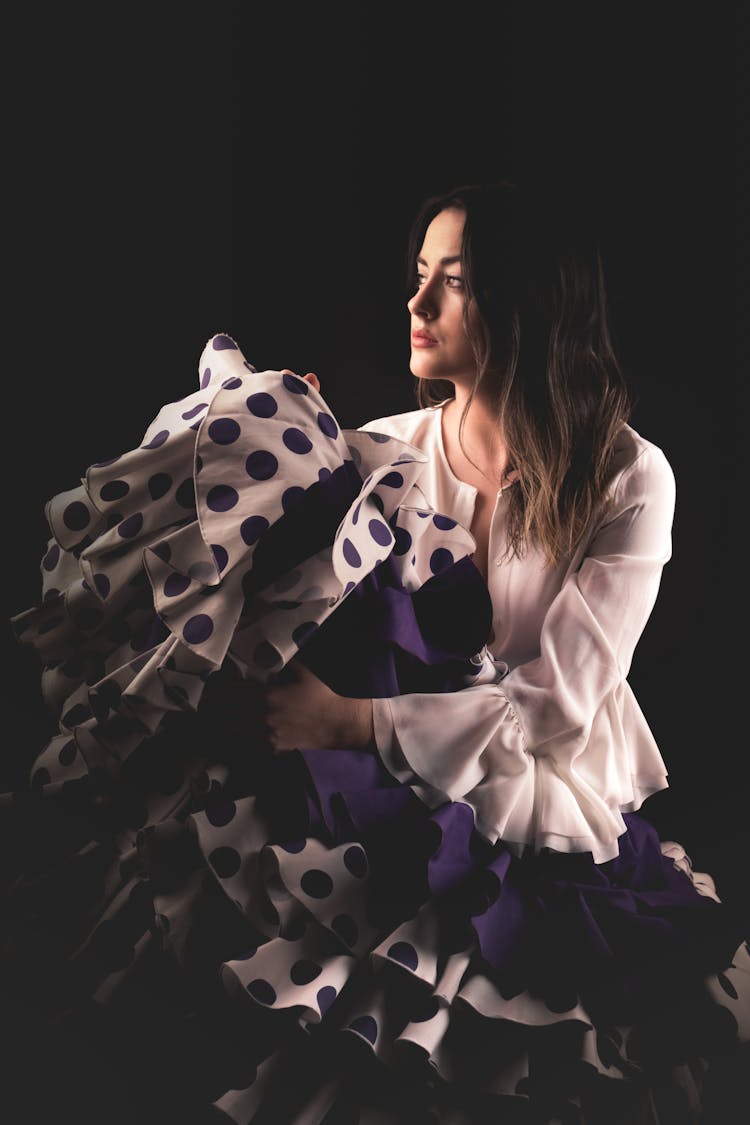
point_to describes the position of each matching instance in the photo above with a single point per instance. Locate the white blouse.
(551, 747)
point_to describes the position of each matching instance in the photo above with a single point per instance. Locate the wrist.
(359, 734)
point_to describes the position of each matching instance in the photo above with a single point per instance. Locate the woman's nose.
(422, 303)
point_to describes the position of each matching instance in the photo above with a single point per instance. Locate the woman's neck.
(482, 449)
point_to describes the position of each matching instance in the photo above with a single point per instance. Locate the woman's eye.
(453, 281)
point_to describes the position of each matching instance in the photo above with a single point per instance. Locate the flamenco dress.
(313, 941)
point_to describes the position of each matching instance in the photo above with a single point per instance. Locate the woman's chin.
(422, 369)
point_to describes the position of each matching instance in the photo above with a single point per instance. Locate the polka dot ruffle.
(145, 576)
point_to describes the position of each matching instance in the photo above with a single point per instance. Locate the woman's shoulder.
(412, 426)
(638, 461)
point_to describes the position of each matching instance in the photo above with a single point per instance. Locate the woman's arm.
(551, 754)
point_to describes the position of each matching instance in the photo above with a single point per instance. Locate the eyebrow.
(443, 261)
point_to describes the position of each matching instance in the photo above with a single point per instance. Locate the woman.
(347, 752)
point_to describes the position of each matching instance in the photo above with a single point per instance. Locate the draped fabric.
(324, 943)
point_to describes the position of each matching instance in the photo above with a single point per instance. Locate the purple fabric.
(384, 640)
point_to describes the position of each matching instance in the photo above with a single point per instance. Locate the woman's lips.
(422, 340)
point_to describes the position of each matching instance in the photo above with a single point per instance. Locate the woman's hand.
(310, 378)
(303, 712)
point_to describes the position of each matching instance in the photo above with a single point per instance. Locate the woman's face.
(440, 347)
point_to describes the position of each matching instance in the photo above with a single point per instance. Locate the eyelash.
(448, 277)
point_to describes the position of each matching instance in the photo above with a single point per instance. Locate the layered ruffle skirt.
(322, 945)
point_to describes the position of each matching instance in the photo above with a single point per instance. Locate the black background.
(178, 170)
(175, 170)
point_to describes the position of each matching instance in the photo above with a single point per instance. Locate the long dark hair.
(544, 354)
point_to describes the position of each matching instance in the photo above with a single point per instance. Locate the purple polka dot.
(393, 480)
(355, 861)
(223, 431)
(220, 813)
(261, 465)
(296, 441)
(159, 485)
(232, 383)
(175, 585)
(205, 378)
(114, 490)
(304, 971)
(327, 425)
(49, 596)
(294, 384)
(225, 861)
(222, 343)
(222, 497)
(403, 541)
(266, 656)
(76, 516)
(50, 560)
(427, 1009)
(445, 523)
(262, 405)
(727, 985)
(293, 846)
(66, 755)
(185, 494)
(325, 998)
(105, 698)
(440, 560)
(157, 440)
(303, 632)
(292, 497)
(220, 555)
(198, 629)
(194, 411)
(380, 532)
(380, 438)
(355, 513)
(130, 527)
(101, 582)
(348, 588)
(366, 1027)
(252, 528)
(40, 778)
(345, 928)
(198, 463)
(351, 554)
(262, 991)
(79, 713)
(405, 953)
(324, 474)
(316, 883)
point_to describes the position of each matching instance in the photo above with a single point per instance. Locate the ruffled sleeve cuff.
(469, 746)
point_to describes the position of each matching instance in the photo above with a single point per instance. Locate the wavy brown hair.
(544, 354)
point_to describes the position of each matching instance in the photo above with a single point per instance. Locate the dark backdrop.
(178, 170)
